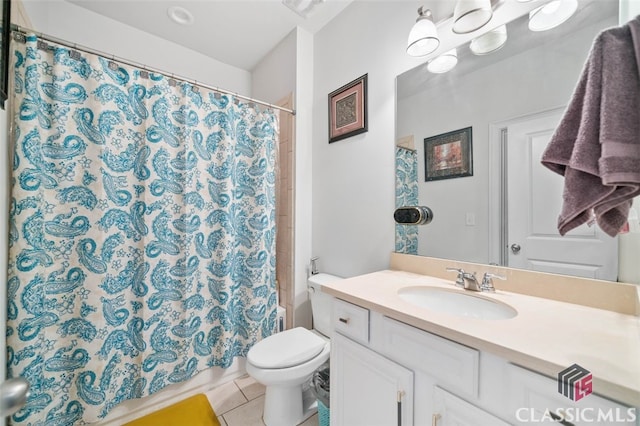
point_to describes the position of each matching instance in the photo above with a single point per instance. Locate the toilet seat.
(286, 349)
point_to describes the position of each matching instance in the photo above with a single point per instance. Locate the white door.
(368, 389)
(534, 203)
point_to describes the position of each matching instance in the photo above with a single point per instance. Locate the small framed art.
(348, 110)
(449, 155)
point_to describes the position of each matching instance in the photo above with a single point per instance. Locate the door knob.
(515, 248)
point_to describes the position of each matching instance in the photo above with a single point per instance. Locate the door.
(368, 389)
(533, 204)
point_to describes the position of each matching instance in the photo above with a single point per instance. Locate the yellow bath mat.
(193, 411)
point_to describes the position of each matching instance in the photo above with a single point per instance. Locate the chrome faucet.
(471, 282)
(487, 283)
(459, 278)
(468, 280)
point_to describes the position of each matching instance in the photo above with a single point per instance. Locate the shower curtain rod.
(24, 31)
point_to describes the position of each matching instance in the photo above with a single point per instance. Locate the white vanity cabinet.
(367, 389)
(385, 372)
(534, 398)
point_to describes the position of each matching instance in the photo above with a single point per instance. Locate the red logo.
(575, 382)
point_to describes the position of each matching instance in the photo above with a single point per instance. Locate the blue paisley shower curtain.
(406, 195)
(142, 235)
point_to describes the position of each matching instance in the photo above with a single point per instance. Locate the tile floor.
(240, 403)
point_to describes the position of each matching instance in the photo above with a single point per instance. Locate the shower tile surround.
(598, 337)
(285, 215)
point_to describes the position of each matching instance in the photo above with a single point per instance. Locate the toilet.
(285, 361)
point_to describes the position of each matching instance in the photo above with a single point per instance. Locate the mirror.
(534, 73)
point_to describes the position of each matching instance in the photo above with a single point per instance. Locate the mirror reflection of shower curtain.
(406, 195)
(142, 234)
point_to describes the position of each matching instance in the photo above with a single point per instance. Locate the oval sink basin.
(456, 303)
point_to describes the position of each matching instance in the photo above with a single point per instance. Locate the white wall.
(275, 75)
(69, 22)
(353, 179)
(304, 100)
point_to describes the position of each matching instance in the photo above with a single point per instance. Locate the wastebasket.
(320, 388)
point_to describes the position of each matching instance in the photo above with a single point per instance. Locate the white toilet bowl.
(298, 353)
(285, 361)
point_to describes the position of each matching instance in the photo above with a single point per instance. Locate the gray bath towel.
(597, 144)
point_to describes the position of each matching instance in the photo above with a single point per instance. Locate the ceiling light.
(423, 38)
(489, 42)
(180, 15)
(443, 63)
(302, 7)
(551, 14)
(469, 15)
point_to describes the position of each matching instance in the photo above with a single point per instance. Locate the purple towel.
(597, 144)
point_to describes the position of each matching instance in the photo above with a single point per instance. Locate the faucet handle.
(314, 266)
(487, 283)
(460, 278)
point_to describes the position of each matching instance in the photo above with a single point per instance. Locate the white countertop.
(545, 336)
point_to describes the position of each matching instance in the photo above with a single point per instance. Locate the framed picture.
(5, 34)
(348, 110)
(449, 155)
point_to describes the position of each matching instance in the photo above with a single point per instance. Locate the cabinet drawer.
(351, 320)
(454, 366)
(534, 397)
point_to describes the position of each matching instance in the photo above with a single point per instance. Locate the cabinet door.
(449, 410)
(534, 397)
(367, 389)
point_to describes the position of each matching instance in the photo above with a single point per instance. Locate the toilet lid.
(286, 349)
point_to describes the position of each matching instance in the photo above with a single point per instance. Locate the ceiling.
(237, 32)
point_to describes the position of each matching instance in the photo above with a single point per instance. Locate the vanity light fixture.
(551, 14)
(423, 38)
(470, 15)
(443, 63)
(180, 15)
(489, 42)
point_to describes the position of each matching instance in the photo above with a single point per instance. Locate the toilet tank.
(321, 303)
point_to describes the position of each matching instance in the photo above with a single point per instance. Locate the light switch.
(470, 219)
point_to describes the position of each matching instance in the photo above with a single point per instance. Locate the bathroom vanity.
(395, 360)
